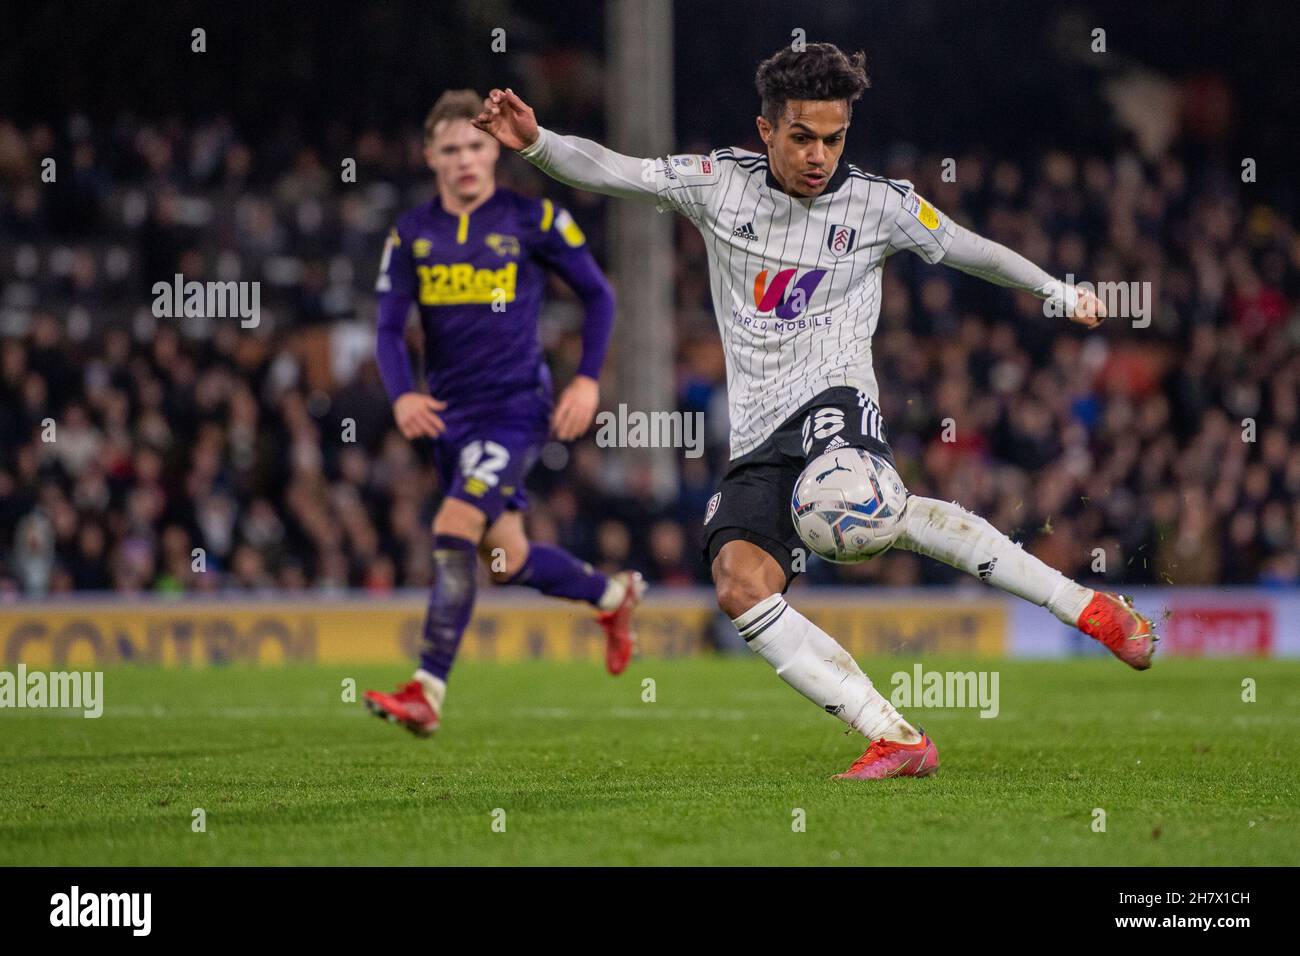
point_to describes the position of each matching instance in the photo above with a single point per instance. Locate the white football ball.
(847, 505)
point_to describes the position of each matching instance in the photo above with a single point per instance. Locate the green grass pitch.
(711, 772)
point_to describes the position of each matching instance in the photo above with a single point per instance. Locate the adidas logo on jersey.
(834, 443)
(746, 232)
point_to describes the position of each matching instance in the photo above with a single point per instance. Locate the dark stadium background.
(169, 161)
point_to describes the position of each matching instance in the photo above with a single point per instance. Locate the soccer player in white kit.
(796, 243)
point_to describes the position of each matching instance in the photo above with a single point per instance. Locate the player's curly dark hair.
(821, 71)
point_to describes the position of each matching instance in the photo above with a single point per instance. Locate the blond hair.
(453, 104)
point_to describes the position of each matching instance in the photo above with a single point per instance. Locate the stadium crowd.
(140, 453)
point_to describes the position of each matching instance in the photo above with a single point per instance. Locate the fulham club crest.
(840, 240)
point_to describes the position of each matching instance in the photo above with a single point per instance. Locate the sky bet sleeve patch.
(686, 166)
(922, 210)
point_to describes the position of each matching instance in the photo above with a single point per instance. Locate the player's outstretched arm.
(572, 160)
(994, 262)
(508, 119)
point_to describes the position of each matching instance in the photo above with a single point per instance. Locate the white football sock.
(435, 689)
(814, 664)
(949, 533)
(615, 589)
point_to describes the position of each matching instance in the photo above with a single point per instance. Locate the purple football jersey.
(478, 280)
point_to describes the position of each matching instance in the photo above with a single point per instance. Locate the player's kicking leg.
(947, 532)
(749, 583)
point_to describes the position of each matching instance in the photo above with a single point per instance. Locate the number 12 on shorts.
(480, 462)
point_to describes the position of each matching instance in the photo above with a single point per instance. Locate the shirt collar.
(491, 201)
(838, 179)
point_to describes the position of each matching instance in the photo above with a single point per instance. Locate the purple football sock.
(451, 601)
(555, 572)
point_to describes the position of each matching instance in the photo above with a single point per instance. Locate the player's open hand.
(508, 118)
(576, 408)
(1089, 310)
(417, 415)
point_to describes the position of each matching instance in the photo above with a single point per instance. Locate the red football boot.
(888, 758)
(408, 706)
(1110, 619)
(620, 639)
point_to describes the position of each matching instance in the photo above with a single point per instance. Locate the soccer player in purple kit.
(475, 261)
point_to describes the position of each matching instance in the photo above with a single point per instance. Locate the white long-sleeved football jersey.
(795, 282)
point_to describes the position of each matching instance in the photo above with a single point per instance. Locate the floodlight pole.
(639, 106)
